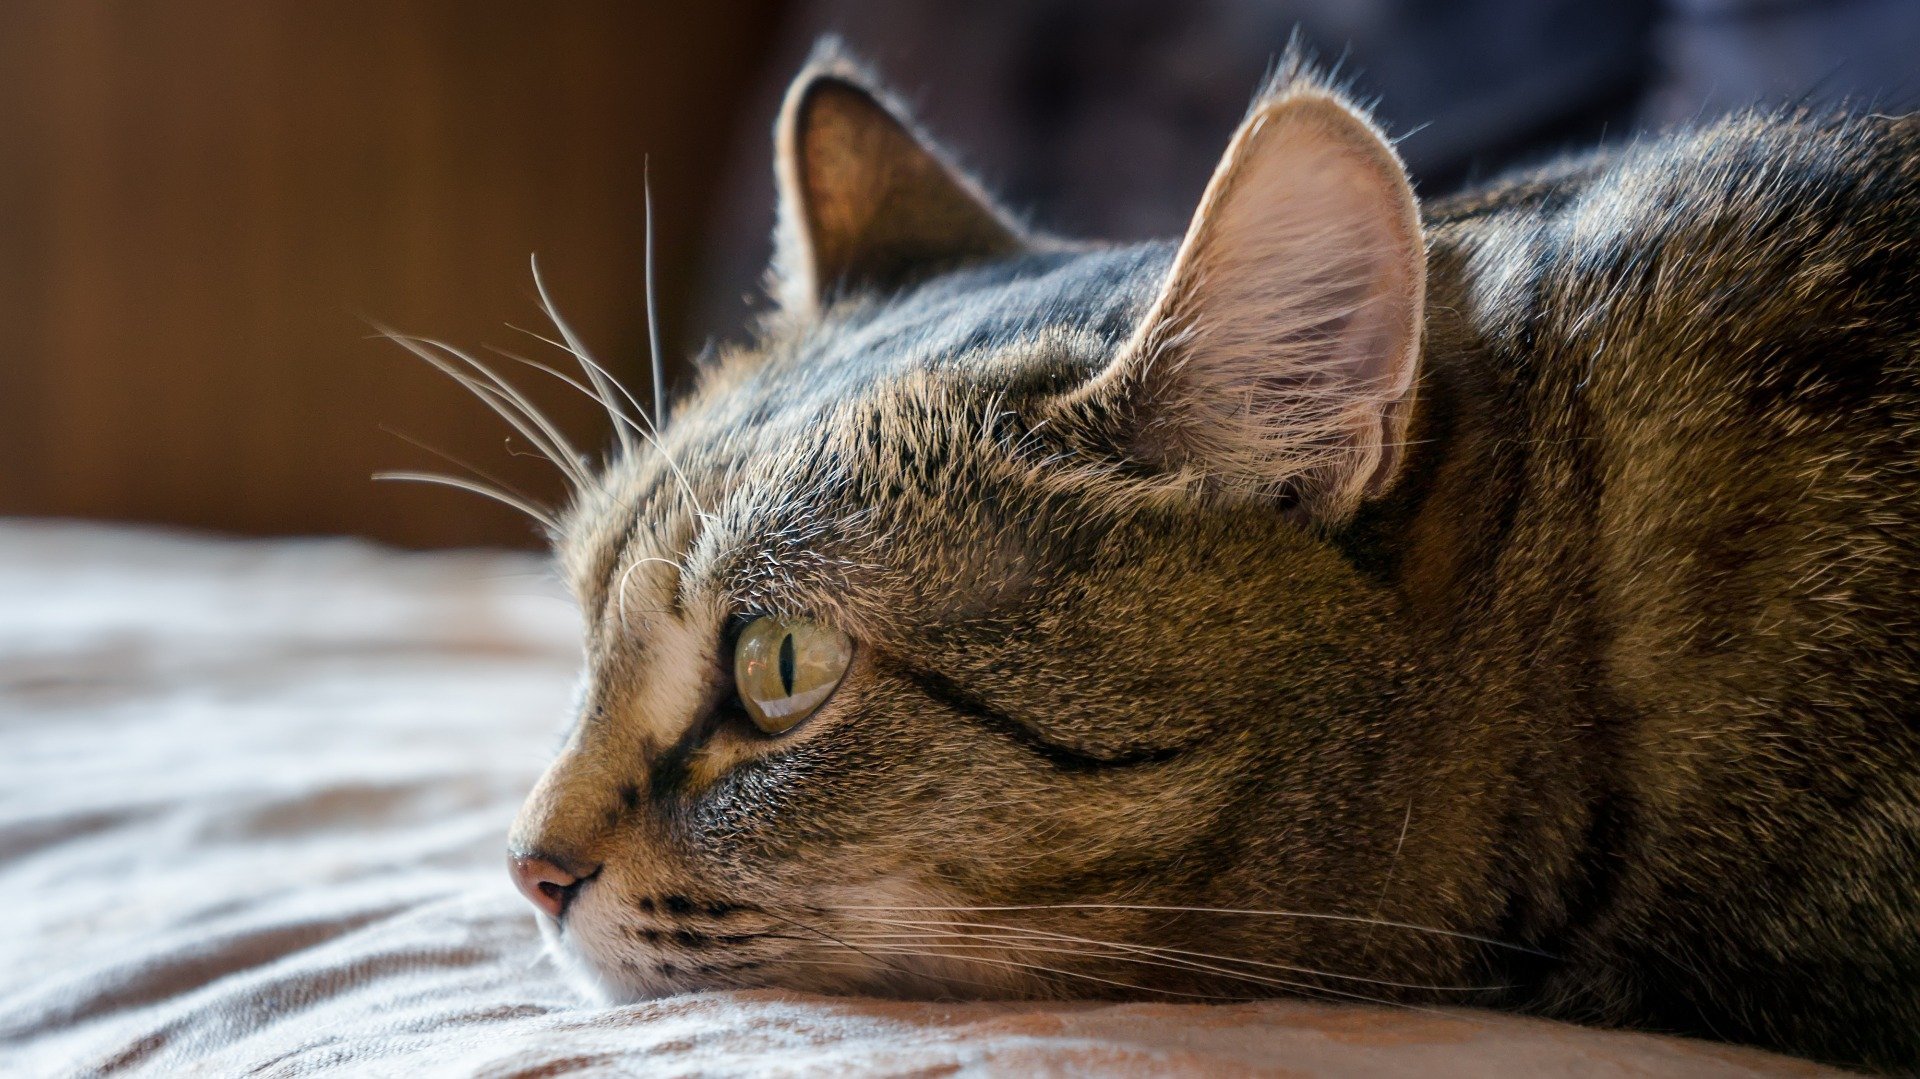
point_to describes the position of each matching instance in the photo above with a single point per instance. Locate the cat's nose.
(545, 883)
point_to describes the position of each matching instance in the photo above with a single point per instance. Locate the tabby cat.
(1508, 602)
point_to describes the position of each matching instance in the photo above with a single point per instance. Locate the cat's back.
(1749, 251)
(1706, 352)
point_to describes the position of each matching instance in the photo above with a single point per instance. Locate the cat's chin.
(612, 985)
(623, 978)
(600, 982)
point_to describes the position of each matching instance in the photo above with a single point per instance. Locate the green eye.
(785, 669)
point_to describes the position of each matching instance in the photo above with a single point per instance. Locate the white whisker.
(1179, 954)
(586, 361)
(508, 406)
(830, 938)
(607, 384)
(598, 377)
(653, 317)
(619, 416)
(613, 413)
(1353, 918)
(1082, 975)
(481, 489)
(1392, 865)
(498, 483)
(1022, 947)
(620, 587)
(551, 430)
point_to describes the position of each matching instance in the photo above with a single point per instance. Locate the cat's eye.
(786, 668)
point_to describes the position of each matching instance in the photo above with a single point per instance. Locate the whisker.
(551, 430)
(595, 375)
(620, 587)
(653, 318)
(540, 955)
(610, 407)
(686, 487)
(1082, 975)
(496, 481)
(585, 361)
(619, 416)
(1017, 947)
(1163, 958)
(601, 379)
(504, 405)
(480, 489)
(1352, 918)
(836, 940)
(1392, 866)
(1177, 954)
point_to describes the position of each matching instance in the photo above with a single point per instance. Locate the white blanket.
(252, 805)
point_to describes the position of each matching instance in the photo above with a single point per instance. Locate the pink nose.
(546, 885)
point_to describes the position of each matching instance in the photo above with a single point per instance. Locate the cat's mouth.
(641, 961)
(627, 949)
(677, 961)
(636, 947)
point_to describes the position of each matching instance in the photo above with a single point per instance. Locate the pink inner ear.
(1296, 302)
(1301, 255)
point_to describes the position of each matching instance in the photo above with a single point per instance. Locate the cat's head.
(981, 612)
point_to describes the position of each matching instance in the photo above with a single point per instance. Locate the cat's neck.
(1444, 534)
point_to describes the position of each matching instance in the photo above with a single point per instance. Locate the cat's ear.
(1279, 357)
(865, 202)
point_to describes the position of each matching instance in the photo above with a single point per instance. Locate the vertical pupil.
(786, 663)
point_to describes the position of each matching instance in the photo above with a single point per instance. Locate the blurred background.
(204, 202)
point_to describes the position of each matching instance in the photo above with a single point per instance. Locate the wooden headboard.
(202, 202)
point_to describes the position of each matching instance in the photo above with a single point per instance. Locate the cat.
(1509, 602)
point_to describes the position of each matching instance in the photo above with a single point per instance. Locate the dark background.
(202, 202)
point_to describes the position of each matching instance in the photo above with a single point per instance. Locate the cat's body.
(1600, 645)
(1662, 522)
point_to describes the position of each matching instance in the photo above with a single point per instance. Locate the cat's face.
(972, 633)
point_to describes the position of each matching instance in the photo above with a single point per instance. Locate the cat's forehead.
(806, 426)
(877, 375)
(973, 319)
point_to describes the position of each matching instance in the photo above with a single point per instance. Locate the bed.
(252, 800)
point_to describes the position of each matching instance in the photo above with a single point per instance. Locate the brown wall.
(202, 200)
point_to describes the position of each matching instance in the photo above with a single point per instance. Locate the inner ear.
(1279, 359)
(865, 202)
